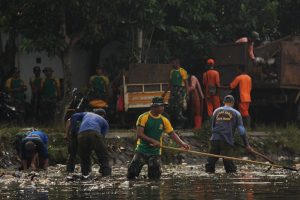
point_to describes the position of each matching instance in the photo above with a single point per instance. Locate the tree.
(8, 16)
(57, 26)
(191, 26)
(141, 19)
(148, 28)
(288, 15)
(237, 18)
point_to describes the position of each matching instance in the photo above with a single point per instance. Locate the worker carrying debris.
(254, 37)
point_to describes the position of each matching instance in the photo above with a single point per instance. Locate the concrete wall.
(80, 67)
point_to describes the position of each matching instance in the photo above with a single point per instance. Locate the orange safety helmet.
(210, 61)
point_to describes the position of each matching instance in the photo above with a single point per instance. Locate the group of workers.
(85, 131)
(182, 86)
(45, 93)
(88, 129)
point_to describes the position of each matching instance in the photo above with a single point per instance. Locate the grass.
(57, 145)
(280, 141)
(284, 139)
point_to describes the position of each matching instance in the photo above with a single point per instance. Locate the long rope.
(228, 158)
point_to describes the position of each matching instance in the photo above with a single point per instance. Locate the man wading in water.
(90, 135)
(150, 127)
(224, 122)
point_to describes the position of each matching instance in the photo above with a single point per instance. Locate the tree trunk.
(66, 62)
(7, 57)
(139, 44)
(67, 84)
(67, 73)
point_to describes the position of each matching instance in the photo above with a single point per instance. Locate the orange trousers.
(244, 108)
(212, 102)
(196, 108)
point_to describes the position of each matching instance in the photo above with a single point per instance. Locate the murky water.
(178, 182)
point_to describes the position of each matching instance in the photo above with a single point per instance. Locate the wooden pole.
(228, 158)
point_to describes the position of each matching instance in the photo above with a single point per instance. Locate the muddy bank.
(121, 148)
(121, 151)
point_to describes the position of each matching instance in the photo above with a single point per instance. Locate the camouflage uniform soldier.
(50, 93)
(179, 89)
(35, 84)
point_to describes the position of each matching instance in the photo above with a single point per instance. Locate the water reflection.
(178, 182)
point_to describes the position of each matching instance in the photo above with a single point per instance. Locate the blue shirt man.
(89, 121)
(225, 121)
(33, 147)
(90, 138)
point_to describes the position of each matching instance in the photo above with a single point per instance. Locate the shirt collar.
(156, 117)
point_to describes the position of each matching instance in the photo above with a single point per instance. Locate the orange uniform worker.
(244, 82)
(211, 82)
(196, 100)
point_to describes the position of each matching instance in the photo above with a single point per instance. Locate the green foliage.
(7, 135)
(238, 18)
(287, 138)
(192, 28)
(288, 15)
(186, 29)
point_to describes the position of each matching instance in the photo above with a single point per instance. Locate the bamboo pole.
(228, 158)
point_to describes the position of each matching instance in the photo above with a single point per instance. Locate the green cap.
(157, 101)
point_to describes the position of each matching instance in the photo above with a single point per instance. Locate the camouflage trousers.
(139, 160)
(176, 104)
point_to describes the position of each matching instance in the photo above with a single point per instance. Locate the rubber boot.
(197, 122)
